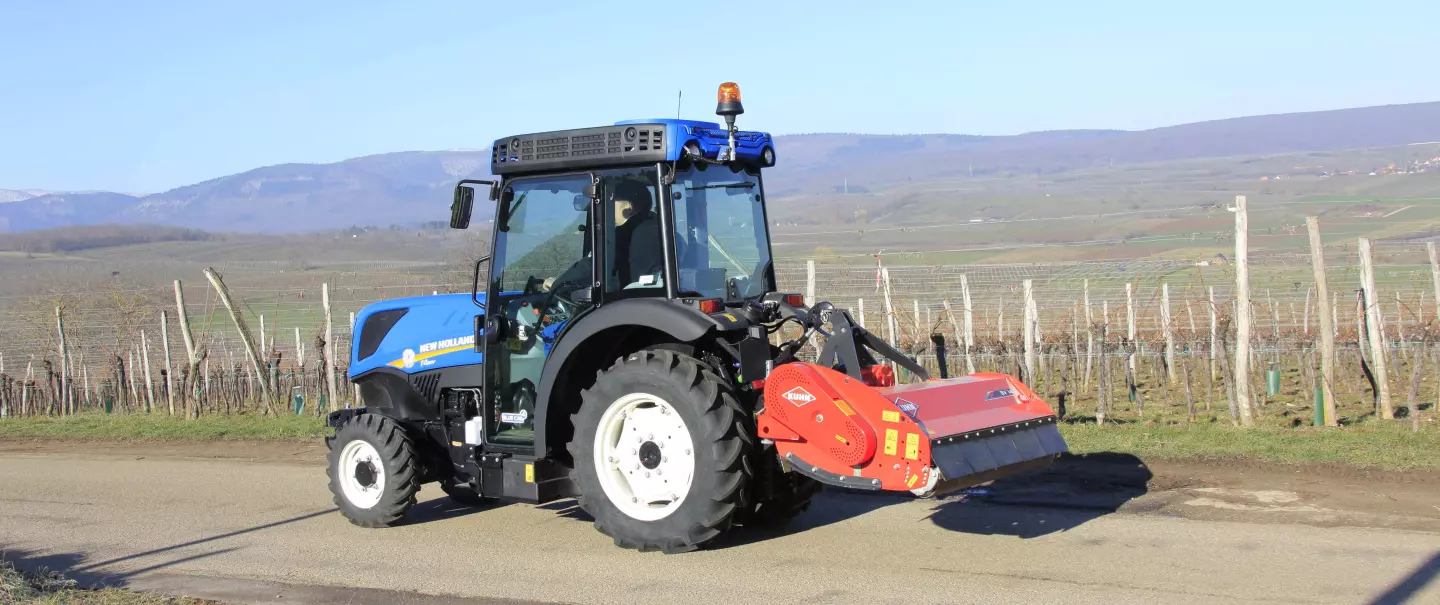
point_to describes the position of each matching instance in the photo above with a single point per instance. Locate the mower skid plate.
(927, 438)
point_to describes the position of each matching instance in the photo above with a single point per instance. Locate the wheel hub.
(365, 474)
(649, 455)
(644, 456)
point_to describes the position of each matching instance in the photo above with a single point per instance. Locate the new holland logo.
(798, 396)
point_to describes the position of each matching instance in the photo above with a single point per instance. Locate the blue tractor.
(619, 347)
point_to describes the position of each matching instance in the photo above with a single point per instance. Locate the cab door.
(542, 273)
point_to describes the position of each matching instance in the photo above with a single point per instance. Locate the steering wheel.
(562, 304)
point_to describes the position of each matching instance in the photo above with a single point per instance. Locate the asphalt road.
(267, 532)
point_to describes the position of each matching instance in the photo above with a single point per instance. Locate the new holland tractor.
(625, 344)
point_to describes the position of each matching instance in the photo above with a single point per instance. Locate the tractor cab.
(666, 209)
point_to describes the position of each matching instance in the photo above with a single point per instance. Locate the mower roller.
(626, 347)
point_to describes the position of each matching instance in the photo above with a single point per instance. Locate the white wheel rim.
(644, 456)
(362, 473)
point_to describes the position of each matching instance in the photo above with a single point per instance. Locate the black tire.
(722, 433)
(464, 494)
(790, 495)
(397, 455)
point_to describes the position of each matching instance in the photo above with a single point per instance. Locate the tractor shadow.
(1408, 587)
(442, 508)
(1073, 491)
(116, 572)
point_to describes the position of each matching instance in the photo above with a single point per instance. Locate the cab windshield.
(721, 243)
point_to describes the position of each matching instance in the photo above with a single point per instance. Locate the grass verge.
(50, 588)
(166, 428)
(1373, 444)
(1386, 445)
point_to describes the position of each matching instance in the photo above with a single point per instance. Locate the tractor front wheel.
(662, 450)
(372, 470)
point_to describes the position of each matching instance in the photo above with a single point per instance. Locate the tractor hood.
(415, 334)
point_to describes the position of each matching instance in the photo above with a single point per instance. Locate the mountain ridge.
(412, 187)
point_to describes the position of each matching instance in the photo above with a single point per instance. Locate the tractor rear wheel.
(662, 452)
(373, 472)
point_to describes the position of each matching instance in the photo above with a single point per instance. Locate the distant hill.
(394, 188)
(14, 195)
(409, 188)
(63, 210)
(822, 162)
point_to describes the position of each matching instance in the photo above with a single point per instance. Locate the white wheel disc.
(644, 456)
(362, 474)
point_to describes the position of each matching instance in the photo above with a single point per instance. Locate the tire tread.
(725, 428)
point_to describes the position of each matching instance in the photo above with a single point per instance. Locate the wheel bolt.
(664, 458)
(647, 475)
(633, 499)
(687, 452)
(657, 472)
(651, 436)
(633, 451)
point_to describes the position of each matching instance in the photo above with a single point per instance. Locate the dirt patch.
(1228, 490)
(1322, 494)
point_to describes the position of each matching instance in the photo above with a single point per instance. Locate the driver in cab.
(638, 256)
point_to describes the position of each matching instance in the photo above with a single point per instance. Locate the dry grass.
(164, 428)
(51, 588)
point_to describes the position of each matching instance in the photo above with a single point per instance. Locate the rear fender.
(593, 342)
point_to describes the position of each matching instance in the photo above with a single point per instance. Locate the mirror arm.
(492, 185)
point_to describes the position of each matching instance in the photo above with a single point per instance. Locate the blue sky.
(146, 96)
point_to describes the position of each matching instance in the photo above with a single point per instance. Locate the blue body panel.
(437, 332)
(711, 136)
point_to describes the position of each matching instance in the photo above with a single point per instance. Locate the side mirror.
(581, 202)
(461, 207)
(465, 202)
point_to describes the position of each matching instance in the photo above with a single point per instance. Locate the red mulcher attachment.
(929, 438)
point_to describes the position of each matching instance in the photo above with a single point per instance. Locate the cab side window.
(635, 258)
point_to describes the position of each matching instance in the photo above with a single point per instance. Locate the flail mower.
(619, 346)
